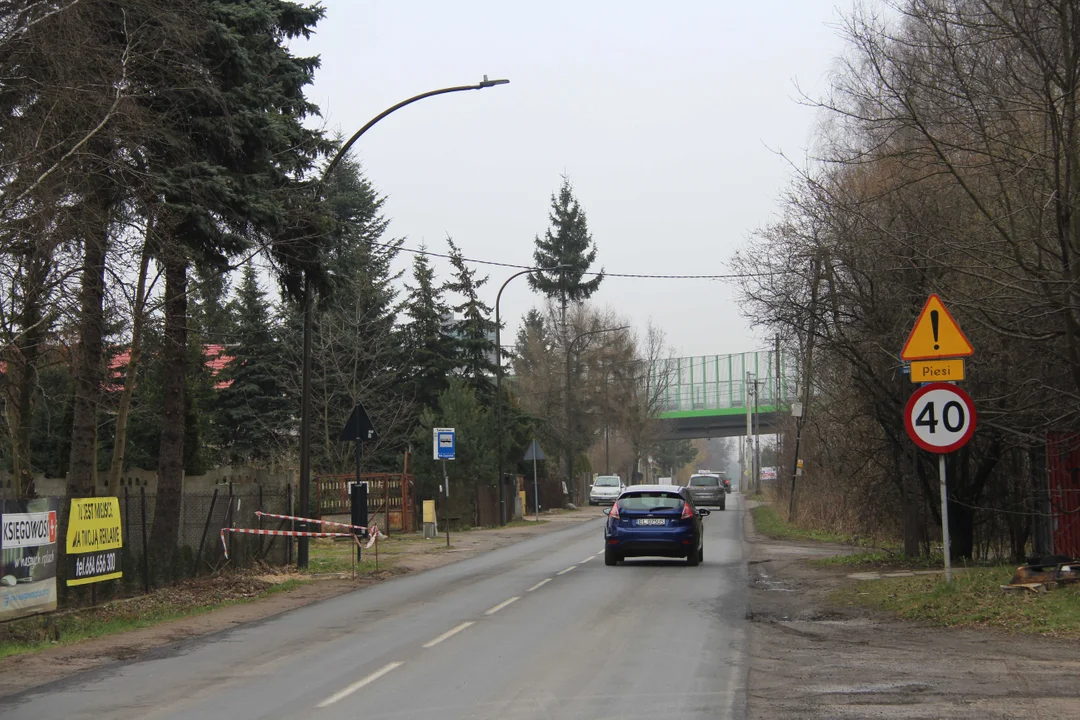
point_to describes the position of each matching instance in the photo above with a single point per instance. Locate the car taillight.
(614, 511)
(687, 512)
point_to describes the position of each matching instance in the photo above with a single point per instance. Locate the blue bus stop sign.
(445, 444)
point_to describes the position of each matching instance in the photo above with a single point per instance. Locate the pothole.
(764, 581)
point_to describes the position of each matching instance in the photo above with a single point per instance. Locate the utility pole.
(751, 483)
(809, 350)
(777, 390)
(757, 434)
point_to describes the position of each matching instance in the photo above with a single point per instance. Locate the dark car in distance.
(708, 490)
(654, 520)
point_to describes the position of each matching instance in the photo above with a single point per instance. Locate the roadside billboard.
(28, 550)
(94, 540)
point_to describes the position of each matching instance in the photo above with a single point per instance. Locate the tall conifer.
(474, 331)
(566, 243)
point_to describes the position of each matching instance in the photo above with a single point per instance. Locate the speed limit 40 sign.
(940, 417)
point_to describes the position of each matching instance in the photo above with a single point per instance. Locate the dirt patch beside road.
(24, 671)
(813, 658)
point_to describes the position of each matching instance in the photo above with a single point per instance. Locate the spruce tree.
(358, 352)
(567, 243)
(358, 264)
(228, 163)
(210, 319)
(474, 332)
(252, 410)
(428, 346)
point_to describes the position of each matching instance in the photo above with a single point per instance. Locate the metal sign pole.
(945, 519)
(356, 550)
(536, 492)
(446, 491)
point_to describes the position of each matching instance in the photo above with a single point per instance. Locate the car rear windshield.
(651, 501)
(704, 481)
(607, 482)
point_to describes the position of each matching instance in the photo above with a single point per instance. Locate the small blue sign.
(445, 443)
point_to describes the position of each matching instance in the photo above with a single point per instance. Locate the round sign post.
(940, 418)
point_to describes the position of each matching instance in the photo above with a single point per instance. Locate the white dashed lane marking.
(448, 634)
(360, 683)
(501, 605)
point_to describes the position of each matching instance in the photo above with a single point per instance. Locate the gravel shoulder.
(814, 658)
(24, 671)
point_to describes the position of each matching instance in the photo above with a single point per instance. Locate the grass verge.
(170, 603)
(974, 599)
(336, 556)
(767, 522)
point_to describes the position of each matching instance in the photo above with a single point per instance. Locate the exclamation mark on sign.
(934, 325)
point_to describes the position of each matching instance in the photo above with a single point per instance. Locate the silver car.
(707, 490)
(605, 489)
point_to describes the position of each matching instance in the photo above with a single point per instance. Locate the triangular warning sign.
(359, 427)
(533, 452)
(936, 335)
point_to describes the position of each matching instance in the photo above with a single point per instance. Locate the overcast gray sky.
(666, 116)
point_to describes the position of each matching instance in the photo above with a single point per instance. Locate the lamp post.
(309, 313)
(498, 381)
(569, 443)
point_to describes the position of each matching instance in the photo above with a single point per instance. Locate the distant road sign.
(926, 371)
(445, 443)
(940, 417)
(936, 335)
(533, 452)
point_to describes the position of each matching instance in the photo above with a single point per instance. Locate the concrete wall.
(133, 479)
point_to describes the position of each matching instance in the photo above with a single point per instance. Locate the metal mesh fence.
(200, 519)
(713, 382)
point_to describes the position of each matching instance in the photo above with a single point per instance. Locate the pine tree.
(474, 332)
(428, 346)
(252, 410)
(567, 243)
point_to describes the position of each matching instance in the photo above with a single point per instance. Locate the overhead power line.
(642, 276)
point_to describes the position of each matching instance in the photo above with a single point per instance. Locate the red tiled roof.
(215, 356)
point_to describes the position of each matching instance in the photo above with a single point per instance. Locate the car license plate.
(652, 521)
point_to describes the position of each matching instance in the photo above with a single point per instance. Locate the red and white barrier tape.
(373, 534)
(285, 533)
(259, 513)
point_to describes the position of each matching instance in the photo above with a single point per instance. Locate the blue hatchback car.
(654, 520)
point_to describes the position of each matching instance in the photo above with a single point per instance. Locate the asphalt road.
(539, 629)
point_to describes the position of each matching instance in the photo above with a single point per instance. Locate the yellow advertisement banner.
(429, 511)
(94, 525)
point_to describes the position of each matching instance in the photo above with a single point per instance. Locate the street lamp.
(309, 313)
(498, 381)
(569, 443)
